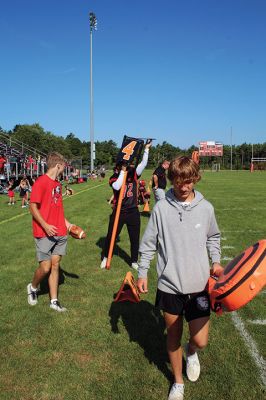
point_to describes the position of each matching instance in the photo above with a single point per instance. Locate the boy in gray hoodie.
(183, 230)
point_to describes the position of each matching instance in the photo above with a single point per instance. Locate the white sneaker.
(135, 266)
(192, 366)
(103, 263)
(176, 392)
(55, 305)
(32, 295)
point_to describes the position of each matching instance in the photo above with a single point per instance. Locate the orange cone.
(128, 290)
(146, 207)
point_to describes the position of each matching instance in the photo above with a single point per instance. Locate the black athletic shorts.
(192, 306)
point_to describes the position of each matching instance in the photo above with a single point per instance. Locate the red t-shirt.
(2, 162)
(47, 193)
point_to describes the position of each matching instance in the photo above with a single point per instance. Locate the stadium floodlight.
(93, 21)
(93, 27)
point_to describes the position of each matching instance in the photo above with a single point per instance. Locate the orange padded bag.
(241, 280)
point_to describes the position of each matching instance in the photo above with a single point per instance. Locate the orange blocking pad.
(128, 290)
(242, 279)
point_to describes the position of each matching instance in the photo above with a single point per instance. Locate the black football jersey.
(130, 197)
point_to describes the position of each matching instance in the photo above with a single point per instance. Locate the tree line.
(76, 150)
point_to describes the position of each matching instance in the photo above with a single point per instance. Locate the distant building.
(210, 148)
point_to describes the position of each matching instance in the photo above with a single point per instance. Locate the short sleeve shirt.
(47, 193)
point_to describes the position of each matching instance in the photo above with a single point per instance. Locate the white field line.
(241, 209)
(244, 231)
(251, 346)
(64, 198)
(226, 258)
(223, 238)
(227, 247)
(257, 321)
(15, 217)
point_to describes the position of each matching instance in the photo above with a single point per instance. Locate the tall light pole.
(93, 26)
(231, 150)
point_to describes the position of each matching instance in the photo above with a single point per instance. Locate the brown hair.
(183, 169)
(54, 158)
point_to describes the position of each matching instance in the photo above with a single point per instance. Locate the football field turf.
(117, 351)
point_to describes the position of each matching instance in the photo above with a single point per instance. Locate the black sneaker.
(55, 305)
(32, 295)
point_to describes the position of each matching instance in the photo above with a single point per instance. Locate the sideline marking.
(243, 231)
(64, 198)
(251, 345)
(227, 258)
(241, 209)
(12, 218)
(257, 321)
(228, 247)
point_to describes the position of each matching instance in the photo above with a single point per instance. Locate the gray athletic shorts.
(47, 247)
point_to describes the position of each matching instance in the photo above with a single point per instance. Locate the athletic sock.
(52, 300)
(33, 289)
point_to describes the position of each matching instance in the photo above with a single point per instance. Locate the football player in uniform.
(129, 214)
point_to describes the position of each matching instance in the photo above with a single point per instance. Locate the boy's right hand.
(142, 284)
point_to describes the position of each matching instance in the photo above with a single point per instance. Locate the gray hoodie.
(183, 237)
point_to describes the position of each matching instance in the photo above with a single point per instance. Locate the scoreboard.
(210, 149)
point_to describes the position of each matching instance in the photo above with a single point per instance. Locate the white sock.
(53, 300)
(33, 289)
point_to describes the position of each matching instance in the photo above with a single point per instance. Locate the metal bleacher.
(17, 152)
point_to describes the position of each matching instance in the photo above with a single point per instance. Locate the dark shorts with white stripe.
(191, 306)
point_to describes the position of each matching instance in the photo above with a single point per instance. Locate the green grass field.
(116, 351)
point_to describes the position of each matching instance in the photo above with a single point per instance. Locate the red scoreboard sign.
(210, 148)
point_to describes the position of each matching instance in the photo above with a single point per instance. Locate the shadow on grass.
(145, 214)
(44, 287)
(117, 250)
(145, 326)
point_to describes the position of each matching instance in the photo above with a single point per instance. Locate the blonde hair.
(53, 159)
(183, 169)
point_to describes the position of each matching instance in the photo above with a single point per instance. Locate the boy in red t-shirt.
(49, 229)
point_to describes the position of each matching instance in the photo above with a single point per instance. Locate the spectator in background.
(24, 188)
(68, 191)
(10, 192)
(7, 166)
(2, 164)
(159, 181)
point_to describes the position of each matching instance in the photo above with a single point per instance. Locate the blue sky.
(180, 71)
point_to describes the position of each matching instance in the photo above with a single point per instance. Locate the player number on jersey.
(128, 150)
